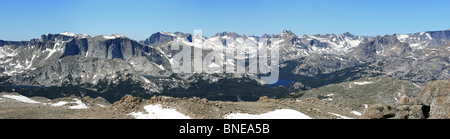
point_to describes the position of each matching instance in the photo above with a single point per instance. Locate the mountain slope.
(363, 92)
(79, 60)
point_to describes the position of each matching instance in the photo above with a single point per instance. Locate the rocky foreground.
(195, 108)
(432, 102)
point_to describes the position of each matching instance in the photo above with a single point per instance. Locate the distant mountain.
(106, 63)
(164, 37)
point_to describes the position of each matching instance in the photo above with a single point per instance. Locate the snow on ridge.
(83, 35)
(402, 38)
(356, 113)
(157, 112)
(68, 34)
(277, 114)
(21, 98)
(337, 43)
(167, 33)
(114, 36)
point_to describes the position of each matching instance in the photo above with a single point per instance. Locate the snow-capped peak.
(114, 36)
(167, 33)
(68, 34)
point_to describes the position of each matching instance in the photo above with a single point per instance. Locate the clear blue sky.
(138, 19)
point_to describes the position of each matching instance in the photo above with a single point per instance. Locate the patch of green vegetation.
(110, 91)
(348, 74)
(381, 89)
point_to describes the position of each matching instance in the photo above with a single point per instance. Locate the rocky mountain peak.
(348, 34)
(227, 34)
(287, 33)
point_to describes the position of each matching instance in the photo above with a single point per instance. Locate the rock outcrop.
(436, 96)
(127, 104)
(432, 103)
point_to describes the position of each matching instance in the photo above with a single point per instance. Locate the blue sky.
(138, 19)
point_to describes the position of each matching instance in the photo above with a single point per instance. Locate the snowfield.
(21, 98)
(277, 114)
(158, 112)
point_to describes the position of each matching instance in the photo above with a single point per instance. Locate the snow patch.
(29, 63)
(146, 80)
(67, 34)
(161, 67)
(277, 114)
(402, 38)
(114, 36)
(101, 105)
(167, 33)
(340, 116)
(157, 112)
(328, 99)
(82, 35)
(356, 113)
(21, 98)
(429, 36)
(362, 83)
(57, 48)
(61, 103)
(417, 86)
(80, 105)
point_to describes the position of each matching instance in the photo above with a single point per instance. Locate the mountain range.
(58, 65)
